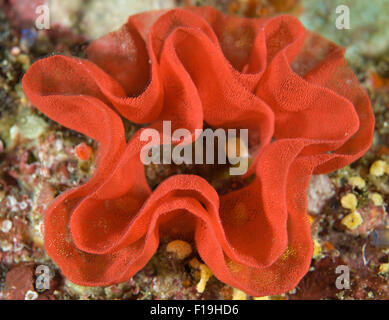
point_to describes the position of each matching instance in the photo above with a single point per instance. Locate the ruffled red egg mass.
(290, 87)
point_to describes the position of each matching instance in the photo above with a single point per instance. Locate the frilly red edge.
(292, 89)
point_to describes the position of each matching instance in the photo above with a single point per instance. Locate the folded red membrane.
(291, 88)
